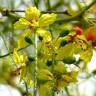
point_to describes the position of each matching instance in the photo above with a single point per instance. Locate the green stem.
(26, 86)
(48, 5)
(35, 68)
(2, 56)
(53, 94)
(3, 10)
(6, 45)
(4, 42)
(12, 4)
(67, 92)
(55, 6)
(53, 61)
(36, 3)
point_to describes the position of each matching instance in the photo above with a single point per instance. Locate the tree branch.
(77, 15)
(43, 12)
(8, 12)
(2, 56)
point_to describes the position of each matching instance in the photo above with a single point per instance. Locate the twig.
(36, 3)
(57, 12)
(67, 92)
(35, 67)
(77, 15)
(12, 52)
(5, 12)
(47, 3)
(6, 47)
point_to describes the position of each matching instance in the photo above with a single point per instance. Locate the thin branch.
(77, 15)
(6, 11)
(36, 62)
(48, 5)
(67, 92)
(36, 3)
(57, 12)
(12, 52)
(7, 47)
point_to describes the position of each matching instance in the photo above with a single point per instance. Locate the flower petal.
(21, 39)
(32, 13)
(40, 32)
(46, 35)
(15, 56)
(47, 19)
(22, 24)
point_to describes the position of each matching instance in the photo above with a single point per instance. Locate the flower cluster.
(35, 22)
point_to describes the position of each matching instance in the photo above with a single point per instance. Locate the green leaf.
(28, 80)
(49, 62)
(82, 37)
(22, 37)
(30, 58)
(22, 24)
(64, 33)
(28, 40)
(44, 75)
(86, 56)
(69, 60)
(77, 48)
(85, 23)
(60, 84)
(63, 43)
(46, 89)
(66, 26)
(67, 50)
(59, 68)
(70, 77)
(40, 38)
(94, 72)
(13, 17)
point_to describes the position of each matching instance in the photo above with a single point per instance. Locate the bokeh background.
(86, 85)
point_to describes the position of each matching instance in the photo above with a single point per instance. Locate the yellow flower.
(21, 38)
(44, 74)
(46, 19)
(22, 24)
(33, 19)
(47, 37)
(45, 34)
(19, 59)
(32, 13)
